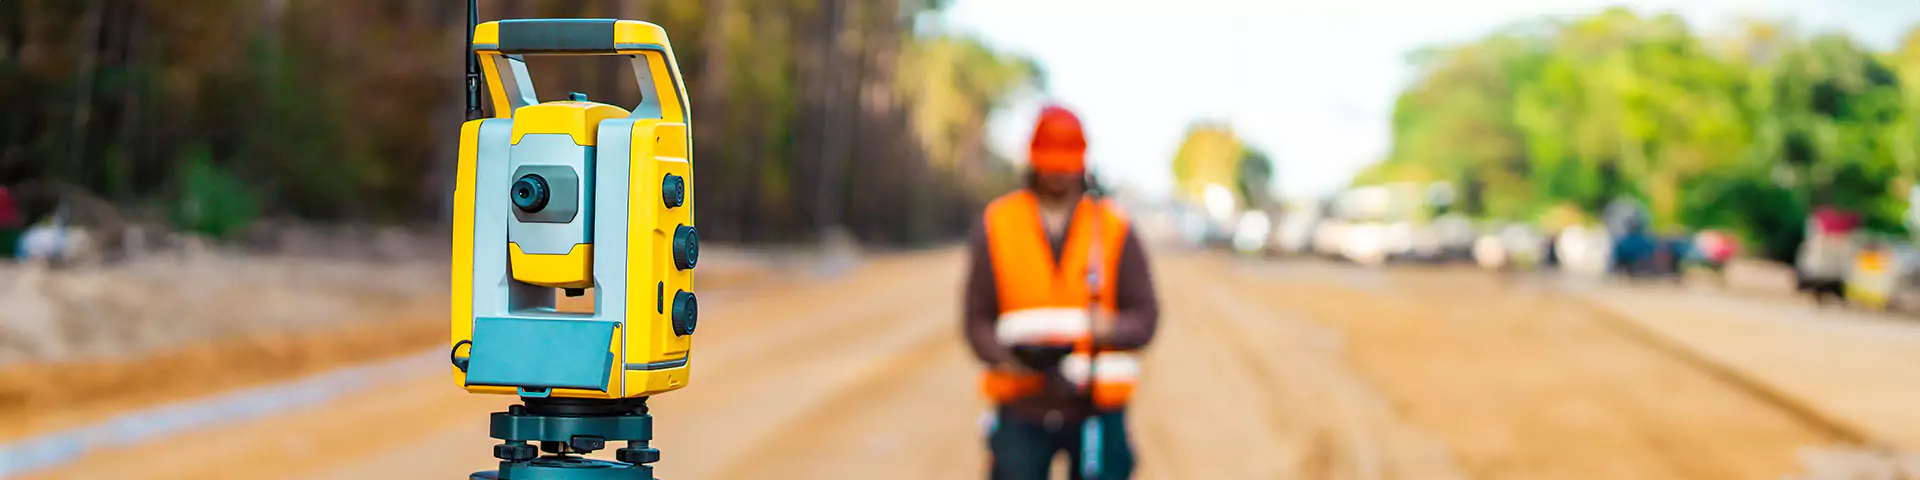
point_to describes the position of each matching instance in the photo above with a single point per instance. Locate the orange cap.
(1059, 145)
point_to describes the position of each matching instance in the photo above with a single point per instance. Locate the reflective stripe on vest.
(1042, 326)
(1045, 302)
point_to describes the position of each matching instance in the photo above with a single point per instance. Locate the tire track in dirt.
(401, 430)
(907, 414)
(1198, 402)
(865, 376)
(1807, 415)
(780, 356)
(913, 419)
(702, 426)
(1525, 382)
(1343, 428)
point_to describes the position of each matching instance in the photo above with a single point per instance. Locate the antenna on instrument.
(473, 64)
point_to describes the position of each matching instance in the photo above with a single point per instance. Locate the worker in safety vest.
(1057, 301)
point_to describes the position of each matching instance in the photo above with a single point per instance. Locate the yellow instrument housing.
(632, 260)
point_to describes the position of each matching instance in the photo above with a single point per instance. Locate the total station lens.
(530, 193)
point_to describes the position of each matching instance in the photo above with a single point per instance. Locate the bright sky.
(1310, 81)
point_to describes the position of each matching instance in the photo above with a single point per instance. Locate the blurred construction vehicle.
(1512, 247)
(1827, 255)
(61, 225)
(1356, 231)
(1444, 239)
(1294, 234)
(1637, 252)
(56, 240)
(1439, 232)
(1197, 228)
(1583, 251)
(1885, 273)
(1253, 235)
(1394, 222)
(1709, 252)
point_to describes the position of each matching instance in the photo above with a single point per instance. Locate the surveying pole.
(1091, 428)
(556, 198)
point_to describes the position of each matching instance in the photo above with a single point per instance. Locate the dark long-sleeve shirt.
(1136, 316)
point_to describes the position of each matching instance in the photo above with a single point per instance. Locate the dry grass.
(176, 326)
(74, 342)
(149, 305)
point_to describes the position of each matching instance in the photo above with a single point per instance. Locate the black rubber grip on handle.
(557, 35)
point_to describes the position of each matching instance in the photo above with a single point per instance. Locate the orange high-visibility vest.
(1030, 284)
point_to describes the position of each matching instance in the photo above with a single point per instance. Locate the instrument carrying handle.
(559, 36)
(502, 61)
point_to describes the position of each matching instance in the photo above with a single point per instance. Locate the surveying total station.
(555, 198)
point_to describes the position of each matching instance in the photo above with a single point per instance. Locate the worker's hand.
(1012, 367)
(1102, 328)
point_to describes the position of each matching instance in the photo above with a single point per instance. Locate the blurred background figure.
(1058, 295)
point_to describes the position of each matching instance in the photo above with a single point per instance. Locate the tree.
(1744, 133)
(1209, 155)
(1255, 178)
(802, 110)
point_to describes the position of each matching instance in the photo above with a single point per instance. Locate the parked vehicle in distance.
(1827, 255)
(1364, 243)
(1583, 251)
(1448, 238)
(1252, 233)
(1512, 246)
(1637, 251)
(1298, 227)
(1884, 275)
(1713, 249)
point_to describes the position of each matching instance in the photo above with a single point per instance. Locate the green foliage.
(806, 112)
(212, 201)
(1209, 155)
(958, 81)
(1747, 133)
(1212, 154)
(1253, 177)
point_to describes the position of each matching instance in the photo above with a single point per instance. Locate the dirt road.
(1260, 371)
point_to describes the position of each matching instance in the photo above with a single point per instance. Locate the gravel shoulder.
(1860, 369)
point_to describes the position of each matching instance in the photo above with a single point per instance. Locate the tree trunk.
(439, 184)
(831, 126)
(710, 115)
(87, 74)
(121, 176)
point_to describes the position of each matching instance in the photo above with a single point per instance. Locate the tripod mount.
(565, 429)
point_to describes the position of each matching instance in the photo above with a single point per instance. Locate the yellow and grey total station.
(556, 198)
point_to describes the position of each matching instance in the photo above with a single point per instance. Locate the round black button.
(673, 191)
(686, 313)
(530, 193)
(686, 247)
